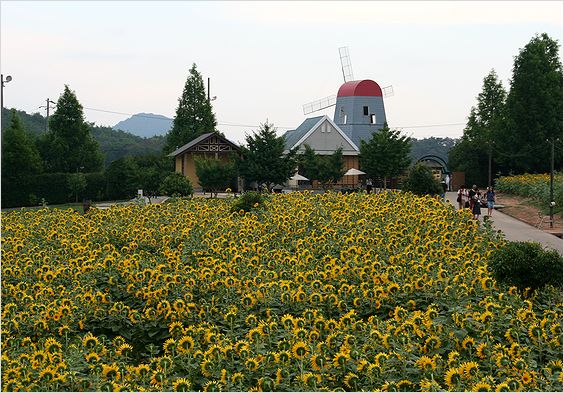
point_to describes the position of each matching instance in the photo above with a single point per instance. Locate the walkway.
(516, 230)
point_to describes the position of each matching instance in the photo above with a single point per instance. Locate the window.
(365, 111)
(344, 119)
(372, 118)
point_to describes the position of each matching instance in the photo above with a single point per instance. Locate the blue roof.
(292, 137)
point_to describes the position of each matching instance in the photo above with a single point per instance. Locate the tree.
(421, 181)
(215, 175)
(151, 170)
(533, 115)
(77, 183)
(263, 160)
(20, 157)
(176, 184)
(122, 178)
(69, 145)
(194, 115)
(385, 155)
(474, 153)
(327, 170)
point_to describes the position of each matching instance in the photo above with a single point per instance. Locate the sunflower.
(311, 379)
(300, 350)
(124, 350)
(452, 377)
(237, 378)
(469, 369)
(426, 363)
(110, 371)
(481, 387)
(340, 359)
(318, 362)
(89, 341)
(252, 364)
(185, 344)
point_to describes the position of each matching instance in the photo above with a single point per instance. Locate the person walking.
(368, 186)
(462, 197)
(477, 206)
(490, 199)
(471, 193)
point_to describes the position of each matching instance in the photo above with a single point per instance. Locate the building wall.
(185, 164)
(325, 139)
(358, 126)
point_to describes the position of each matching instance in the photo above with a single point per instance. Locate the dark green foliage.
(77, 184)
(327, 170)
(385, 155)
(116, 144)
(194, 115)
(526, 265)
(176, 184)
(20, 157)
(215, 175)
(151, 172)
(95, 186)
(33, 123)
(476, 147)
(248, 201)
(420, 181)
(69, 145)
(472, 159)
(533, 113)
(122, 179)
(263, 160)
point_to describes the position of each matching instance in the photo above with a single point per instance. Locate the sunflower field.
(306, 292)
(535, 186)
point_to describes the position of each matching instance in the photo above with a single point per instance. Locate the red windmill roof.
(362, 88)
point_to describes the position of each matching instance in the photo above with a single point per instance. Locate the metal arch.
(437, 159)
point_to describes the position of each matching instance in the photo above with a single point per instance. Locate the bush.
(526, 265)
(248, 201)
(420, 181)
(176, 184)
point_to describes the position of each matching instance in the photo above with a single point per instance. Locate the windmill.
(329, 101)
(359, 104)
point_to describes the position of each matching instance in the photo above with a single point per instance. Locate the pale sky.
(266, 59)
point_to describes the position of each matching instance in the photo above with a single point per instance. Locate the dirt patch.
(525, 210)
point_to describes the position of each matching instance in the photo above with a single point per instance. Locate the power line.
(254, 125)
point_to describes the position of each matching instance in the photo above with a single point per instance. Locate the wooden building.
(210, 145)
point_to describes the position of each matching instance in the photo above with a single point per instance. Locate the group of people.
(472, 199)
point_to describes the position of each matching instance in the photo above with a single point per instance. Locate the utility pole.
(47, 106)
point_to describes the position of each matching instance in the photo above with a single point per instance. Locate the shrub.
(420, 181)
(248, 201)
(176, 184)
(526, 265)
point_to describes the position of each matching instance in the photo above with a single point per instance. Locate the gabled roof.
(298, 136)
(294, 136)
(201, 139)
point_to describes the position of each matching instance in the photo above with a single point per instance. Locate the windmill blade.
(346, 64)
(388, 91)
(319, 104)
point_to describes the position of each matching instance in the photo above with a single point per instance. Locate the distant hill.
(145, 125)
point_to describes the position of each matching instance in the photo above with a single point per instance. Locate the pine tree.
(194, 115)
(69, 145)
(474, 154)
(20, 157)
(533, 117)
(262, 159)
(385, 155)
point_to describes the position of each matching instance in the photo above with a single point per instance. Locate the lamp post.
(8, 79)
(552, 185)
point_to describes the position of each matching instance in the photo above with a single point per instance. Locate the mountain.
(145, 125)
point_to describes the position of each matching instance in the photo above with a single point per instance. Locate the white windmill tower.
(359, 104)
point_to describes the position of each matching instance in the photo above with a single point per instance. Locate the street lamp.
(8, 79)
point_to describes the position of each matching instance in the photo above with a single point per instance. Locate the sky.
(265, 59)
